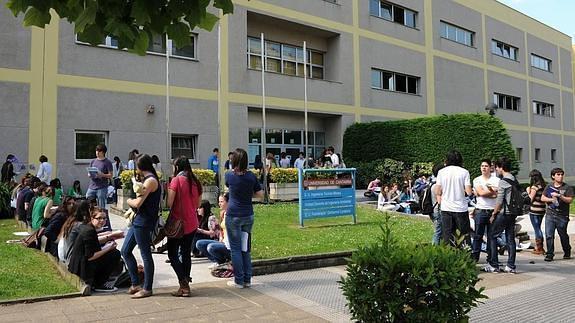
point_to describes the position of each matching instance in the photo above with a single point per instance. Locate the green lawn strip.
(26, 272)
(277, 233)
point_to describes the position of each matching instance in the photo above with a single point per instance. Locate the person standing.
(485, 187)
(132, 156)
(558, 195)
(503, 221)
(452, 184)
(284, 161)
(214, 165)
(436, 202)
(228, 164)
(8, 170)
(537, 208)
(44, 170)
(140, 233)
(184, 195)
(299, 162)
(243, 186)
(99, 181)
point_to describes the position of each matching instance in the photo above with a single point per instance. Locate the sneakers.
(510, 270)
(247, 285)
(105, 289)
(214, 265)
(548, 258)
(232, 283)
(490, 269)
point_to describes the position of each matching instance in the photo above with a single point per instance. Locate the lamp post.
(491, 108)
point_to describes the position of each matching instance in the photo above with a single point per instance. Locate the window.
(537, 155)
(85, 143)
(541, 63)
(519, 154)
(553, 155)
(184, 145)
(285, 59)
(457, 34)
(544, 109)
(391, 81)
(504, 50)
(506, 102)
(392, 12)
(157, 46)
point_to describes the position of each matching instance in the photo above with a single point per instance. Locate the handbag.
(174, 227)
(34, 239)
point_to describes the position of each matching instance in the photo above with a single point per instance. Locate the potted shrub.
(391, 281)
(126, 192)
(284, 184)
(207, 178)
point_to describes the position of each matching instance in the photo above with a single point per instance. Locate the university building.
(367, 60)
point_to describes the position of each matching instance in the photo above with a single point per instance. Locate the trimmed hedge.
(428, 139)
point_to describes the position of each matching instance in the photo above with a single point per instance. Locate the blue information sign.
(330, 197)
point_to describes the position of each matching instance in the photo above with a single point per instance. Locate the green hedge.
(428, 139)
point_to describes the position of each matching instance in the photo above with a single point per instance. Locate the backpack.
(425, 203)
(517, 200)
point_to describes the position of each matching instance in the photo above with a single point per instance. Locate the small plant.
(207, 177)
(389, 281)
(5, 194)
(256, 172)
(126, 179)
(284, 175)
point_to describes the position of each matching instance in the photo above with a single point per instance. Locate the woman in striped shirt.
(537, 208)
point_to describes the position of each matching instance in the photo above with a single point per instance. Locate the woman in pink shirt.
(184, 195)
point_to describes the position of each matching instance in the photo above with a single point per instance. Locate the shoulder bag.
(174, 227)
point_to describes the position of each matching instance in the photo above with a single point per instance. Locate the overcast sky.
(559, 14)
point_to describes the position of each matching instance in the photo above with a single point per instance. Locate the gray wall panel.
(548, 95)
(499, 83)
(520, 139)
(390, 28)
(546, 142)
(15, 40)
(547, 50)
(14, 104)
(458, 88)
(566, 68)
(341, 11)
(568, 123)
(503, 32)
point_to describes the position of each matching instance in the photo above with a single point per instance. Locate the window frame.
(553, 155)
(311, 66)
(519, 154)
(88, 160)
(393, 85)
(537, 155)
(457, 30)
(536, 58)
(194, 146)
(501, 45)
(392, 17)
(515, 101)
(543, 109)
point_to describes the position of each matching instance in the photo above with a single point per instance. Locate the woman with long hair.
(91, 261)
(243, 186)
(140, 233)
(52, 232)
(184, 195)
(76, 190)
(216, 250)
(537, 208)
(69, 230)
(41, 209)
(204, 214)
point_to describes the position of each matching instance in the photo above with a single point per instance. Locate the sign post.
(326, 201)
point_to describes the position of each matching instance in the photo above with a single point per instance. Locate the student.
(216, 250)
(537, 208)
(57, 189)
(44, 170)
(485, 187)
(300, 161)
(284, 161)
(99, 181)
(558, 195)
(41, 209)
(76, 190)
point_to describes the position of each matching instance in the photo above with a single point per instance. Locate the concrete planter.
(210, 193)
(284, 191)
(123, 196)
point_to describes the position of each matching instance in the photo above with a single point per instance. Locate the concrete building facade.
(369, 60)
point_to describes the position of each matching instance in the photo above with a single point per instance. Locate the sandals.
(142, 294)
(134, 289)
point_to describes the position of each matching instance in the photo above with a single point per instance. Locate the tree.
(131, 22)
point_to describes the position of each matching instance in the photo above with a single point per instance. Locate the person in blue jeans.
(537, 208)
(243, 186)
(99, 180)
(558, 195)
(502, 220)
(140, 233)
(216, 250)
(485, 188)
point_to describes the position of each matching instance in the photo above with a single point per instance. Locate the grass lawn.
(277, 233)
(26, 272)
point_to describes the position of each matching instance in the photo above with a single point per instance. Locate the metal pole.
(305, 101)
(168, 146)
(220, 107)
(263, 63)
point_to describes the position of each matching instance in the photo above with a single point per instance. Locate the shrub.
(207, 177)
(284, 175)
(389, 281)
(388, 170)
(126, 179)
(5, 195)
(428, 139)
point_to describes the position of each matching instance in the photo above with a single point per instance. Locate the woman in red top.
(184, 195)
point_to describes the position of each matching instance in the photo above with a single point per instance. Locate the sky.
(559, 14)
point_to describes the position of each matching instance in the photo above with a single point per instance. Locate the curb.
(279, 265)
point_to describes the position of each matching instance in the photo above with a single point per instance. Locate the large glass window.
(393, 12)
(391, 81)
(86, 142)
(285, 59)
(157, 46)
(504, 50)
(544, 109)
(506, 102)
(274, 136)
(540, 63)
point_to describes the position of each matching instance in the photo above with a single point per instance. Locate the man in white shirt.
(485, 187)
(44, 170)
(452, 184)
(333, 156)
(300, 161)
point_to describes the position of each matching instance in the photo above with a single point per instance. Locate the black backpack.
(517, 201)
(425, 203)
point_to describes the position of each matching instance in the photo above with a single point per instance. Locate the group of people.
(493, 214)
